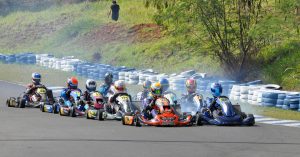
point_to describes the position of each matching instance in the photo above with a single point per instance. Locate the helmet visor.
(157, 92)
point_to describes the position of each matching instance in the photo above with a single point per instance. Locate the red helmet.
(72, 83)
(191, 85)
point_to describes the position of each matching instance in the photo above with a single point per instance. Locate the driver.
(165, 85)
(154, 94)
(191, 86)
(216, 91)
(72, 84)
(90, 86)
(31, 88)
(118, 87)
(108, 83)
(146, 90)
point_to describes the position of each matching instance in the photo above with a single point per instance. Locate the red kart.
(165, 116)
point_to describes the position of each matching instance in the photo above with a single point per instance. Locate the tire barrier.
(253, 92)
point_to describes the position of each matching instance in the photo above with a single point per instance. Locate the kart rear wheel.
(137, 121)
(55, 107)
(42, 107)
(123, 120)
(100, 115)
(72, 112)
(61, 111)
(8, 102)
(22, 103)
(251, 116)
(199, 119)
(87, 114)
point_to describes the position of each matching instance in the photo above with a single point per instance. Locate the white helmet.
(120, 86)
(91, 85)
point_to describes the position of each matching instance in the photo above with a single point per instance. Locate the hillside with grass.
(144, 37)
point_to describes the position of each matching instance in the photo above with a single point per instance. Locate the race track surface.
(31, 133)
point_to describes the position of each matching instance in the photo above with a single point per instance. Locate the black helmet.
(108, 78)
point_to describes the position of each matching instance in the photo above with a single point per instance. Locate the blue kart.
(226, 114)
(73, 107)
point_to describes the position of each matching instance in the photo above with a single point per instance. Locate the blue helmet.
(164, 84)
(36, 78)
(216, 89)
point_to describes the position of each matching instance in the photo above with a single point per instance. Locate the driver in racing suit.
(72, 84)
(118, 87)
(31, 88)
(216, 91)
(146, 89)
(108, 83)
(156, 92)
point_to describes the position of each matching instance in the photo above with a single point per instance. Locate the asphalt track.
(31, 133)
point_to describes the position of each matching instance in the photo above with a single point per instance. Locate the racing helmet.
(216, 89)
(147, 85)
(120, 86)
(191, 85)
(164, 84)
(108, 78)
(72, 83)
(91, 85)
(36, 78)
(156, 89)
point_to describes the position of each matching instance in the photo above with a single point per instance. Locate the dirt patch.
(114, 32)
(145, 32)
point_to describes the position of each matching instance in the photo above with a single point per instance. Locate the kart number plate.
(128, 120)
(168, 123)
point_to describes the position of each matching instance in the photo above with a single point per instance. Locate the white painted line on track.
(280, 122)
(265, 119)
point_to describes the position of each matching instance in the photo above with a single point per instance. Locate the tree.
(225, 26)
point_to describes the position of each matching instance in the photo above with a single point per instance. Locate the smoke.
(8, 6)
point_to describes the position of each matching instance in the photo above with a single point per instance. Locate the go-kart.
(73, 107)
(122, 109)
(40, 97)
(96, 108)
(226, 114)
(165, 116)
(191, 105)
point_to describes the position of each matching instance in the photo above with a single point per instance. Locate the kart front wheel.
(55, 108)
(137, 121)
(199, 119)
(101, 115)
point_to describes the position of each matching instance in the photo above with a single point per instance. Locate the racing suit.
(31, 88)
(66, 95)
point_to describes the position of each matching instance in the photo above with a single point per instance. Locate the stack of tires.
(202, 84)
(227, 86)
(251, 97)
(2, 58)
(133, 78)
(291, 101)
(177, 83)
(122, 75)
(244, 90)
(280, 100)
(10, 59)
(269, 98)
(235, 92)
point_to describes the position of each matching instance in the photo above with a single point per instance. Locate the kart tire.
(60, 111)
(199, 119)
(123, 119)
(87, 114)
(42, 107)
(100, 115)
(55, 109)
(137, 121)
(22, 103)
(8, 102)
(251, 116)
(72, 112)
